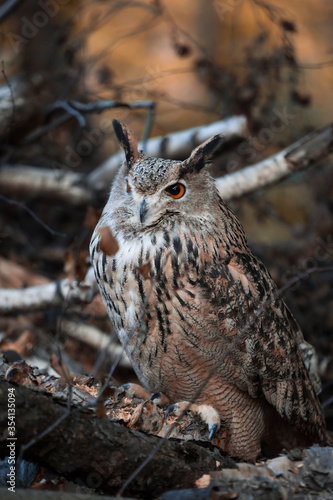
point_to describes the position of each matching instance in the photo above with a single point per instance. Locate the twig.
(76, 109)
(70, 110)
(47, 128)
(8, 7)
(101, 105)
(33, 215)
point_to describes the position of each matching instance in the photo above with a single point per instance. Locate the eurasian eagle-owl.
(209, 311)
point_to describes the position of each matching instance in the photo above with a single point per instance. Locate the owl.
(203, 325)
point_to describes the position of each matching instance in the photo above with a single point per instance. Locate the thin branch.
(36, 134)
(76, 109)
(8, 7)
(70, 110)
(22, 206)
(101, 105)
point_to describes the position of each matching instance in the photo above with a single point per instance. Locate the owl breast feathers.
(205, 322)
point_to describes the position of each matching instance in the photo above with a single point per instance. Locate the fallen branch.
(33, 181)
(79, 189)
(309, 150)
(83, 190)
(83, 446)
(175, 146)
(49, 295)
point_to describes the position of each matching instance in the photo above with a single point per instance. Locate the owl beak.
(143, 210)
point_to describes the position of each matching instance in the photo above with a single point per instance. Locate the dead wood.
(78, 189)
(49, 295)
(309, 150)
(83, 446)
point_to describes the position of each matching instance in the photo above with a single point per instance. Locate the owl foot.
(208, 414)
(131, 391)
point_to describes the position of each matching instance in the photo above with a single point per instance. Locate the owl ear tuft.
(127, 142)
(201, 155)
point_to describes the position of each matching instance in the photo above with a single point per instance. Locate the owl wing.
(260, 336)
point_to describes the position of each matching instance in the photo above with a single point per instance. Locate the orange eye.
(128, 188)
(176, 191)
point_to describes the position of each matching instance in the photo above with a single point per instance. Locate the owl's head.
(153, 189)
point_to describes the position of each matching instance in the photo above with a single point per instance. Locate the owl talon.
(155, 395)
(208, 414)
(170, 409)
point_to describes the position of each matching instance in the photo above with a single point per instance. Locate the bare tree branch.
(95, 338)
(52, 294)
(35, 181)
(306, 152)
(174, 146)
(80, 190)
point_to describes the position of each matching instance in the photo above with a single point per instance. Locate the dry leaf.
(203, 481)
(22, 345)
(69, 266)
(145, 270)
(76, 265)
(82, 265)
(21, 373)
(13, 275)
(100, 410)
(108, 243)
(92, 217)
(147, 417)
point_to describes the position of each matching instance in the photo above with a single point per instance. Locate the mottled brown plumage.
(206, 307)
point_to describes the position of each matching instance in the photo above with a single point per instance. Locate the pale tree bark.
(309, 150)
(78, 189)
(48, 295)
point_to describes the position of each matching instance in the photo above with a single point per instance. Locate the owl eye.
(176, 191)
(128, 188)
